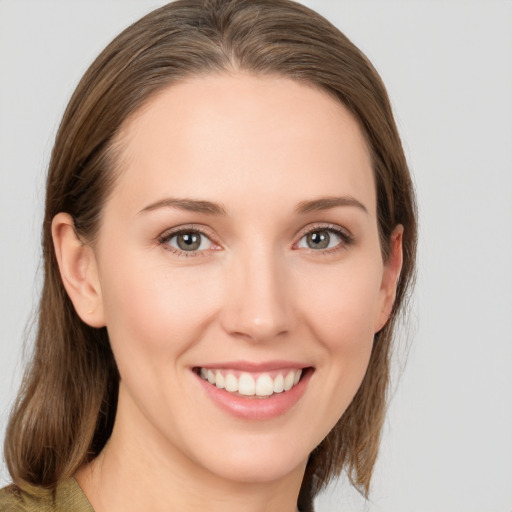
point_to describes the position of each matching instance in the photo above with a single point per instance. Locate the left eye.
(189, 241)
(320, 239)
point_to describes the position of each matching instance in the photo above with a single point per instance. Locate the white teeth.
(219, 380)
(231, 383)
(279, 384)
(264, 385)
(247, 385)
(288, 381)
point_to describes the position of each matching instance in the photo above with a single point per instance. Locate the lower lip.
(254, 408)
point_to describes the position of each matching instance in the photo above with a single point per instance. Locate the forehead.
(242, 136)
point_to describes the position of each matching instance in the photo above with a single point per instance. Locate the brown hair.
(66, 406)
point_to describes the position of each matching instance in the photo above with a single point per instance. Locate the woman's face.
(240, 245)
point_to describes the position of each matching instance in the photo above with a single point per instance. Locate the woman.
(229, 237)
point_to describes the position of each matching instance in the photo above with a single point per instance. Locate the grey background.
(447, 444)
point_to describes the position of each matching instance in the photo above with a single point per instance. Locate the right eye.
(186, 242)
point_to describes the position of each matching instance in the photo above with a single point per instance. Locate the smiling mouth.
(255, 385)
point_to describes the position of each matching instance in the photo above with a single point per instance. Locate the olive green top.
(67, 497)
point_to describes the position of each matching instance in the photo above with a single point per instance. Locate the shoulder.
(14, 499)
(66, 497)
(10, 500)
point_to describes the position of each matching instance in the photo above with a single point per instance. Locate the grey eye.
(320, 239)
(189, 241)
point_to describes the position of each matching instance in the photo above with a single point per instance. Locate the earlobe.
(78, 271)
(391, 274)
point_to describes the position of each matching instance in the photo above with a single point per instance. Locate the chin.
(257, 470)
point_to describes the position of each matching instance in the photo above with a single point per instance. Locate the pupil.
(189, 241)
(319, 239)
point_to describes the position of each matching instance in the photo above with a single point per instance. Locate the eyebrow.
(191, 205)
(210, 208)
(326, 203)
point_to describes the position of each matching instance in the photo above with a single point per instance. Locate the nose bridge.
(258, 305)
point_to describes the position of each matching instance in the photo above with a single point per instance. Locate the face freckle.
(229, 159)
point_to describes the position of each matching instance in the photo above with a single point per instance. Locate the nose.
(257, 305)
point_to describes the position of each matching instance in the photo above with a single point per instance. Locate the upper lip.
(250, 366)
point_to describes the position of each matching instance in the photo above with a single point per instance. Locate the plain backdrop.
(447, 444)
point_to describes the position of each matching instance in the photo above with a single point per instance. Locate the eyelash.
(347, 239)
(165, 237)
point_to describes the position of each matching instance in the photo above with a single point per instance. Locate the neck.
(137, 470)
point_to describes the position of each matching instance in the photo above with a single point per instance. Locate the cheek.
(341, 312)
(342, 305)
(156, 313)
(154, 317)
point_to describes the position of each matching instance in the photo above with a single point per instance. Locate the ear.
(391, 273)
(78, 271)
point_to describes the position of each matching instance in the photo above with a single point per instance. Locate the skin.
(256, 292)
